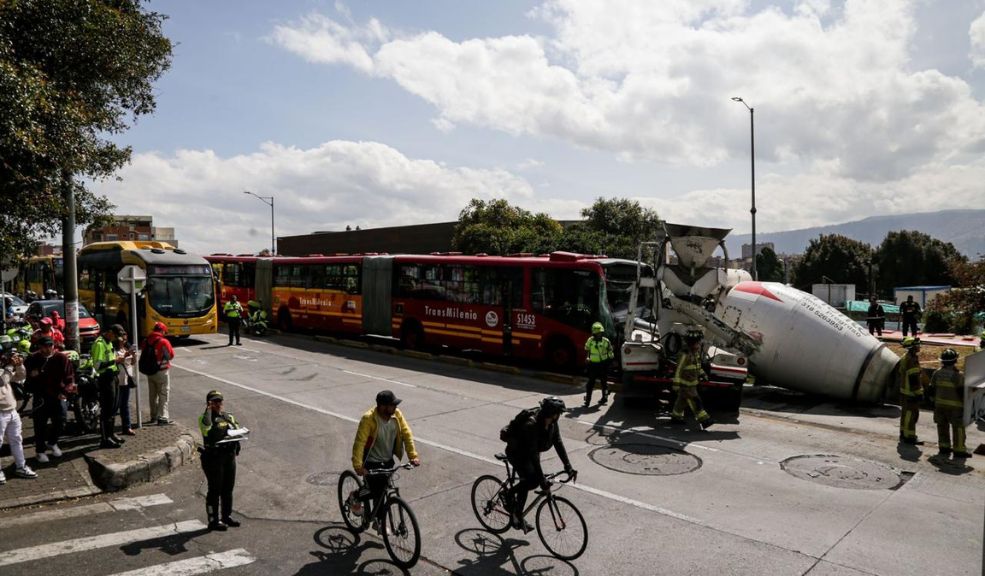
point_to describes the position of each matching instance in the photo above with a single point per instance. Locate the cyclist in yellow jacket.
(382, 436)
(911, 390)
(948, 385)
(598, 356)
(686, 378)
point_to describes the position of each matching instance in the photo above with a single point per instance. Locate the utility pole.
(70, 275)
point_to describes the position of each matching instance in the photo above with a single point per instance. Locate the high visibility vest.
(948, 385)
(909, 376)
(232, 309)
(599, 350)
(688, 370)
(103, 357)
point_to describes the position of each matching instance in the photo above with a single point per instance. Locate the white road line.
(200, 565)
(96, 542)
(590, 490)
(380, 379)
(99, 508)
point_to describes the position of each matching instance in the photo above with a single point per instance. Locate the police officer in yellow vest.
(218, 461)
(686, 379)
(107, 365)
(910, 389)
(598, 356)
(233, 311)
(948, 385)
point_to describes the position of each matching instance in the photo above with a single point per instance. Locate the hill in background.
(963, 228)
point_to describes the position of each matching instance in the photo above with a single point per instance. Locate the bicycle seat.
(501, 457)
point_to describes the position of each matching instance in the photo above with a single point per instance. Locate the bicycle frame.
(542, 493)
(390, 490)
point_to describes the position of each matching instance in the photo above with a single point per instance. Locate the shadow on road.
(493, 554)
(340, 551)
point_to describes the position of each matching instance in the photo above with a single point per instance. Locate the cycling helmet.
(6, 342)
(949, 356)
(551, 406)
(597, 328)
(910, 342)
(50, 294)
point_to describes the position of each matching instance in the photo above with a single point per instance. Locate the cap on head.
(949, 356)
(213, 395)
(597, 328)
(911, 342)
(160, 327)
(387, 398)
(46, 321)
(118, 330)
(46, 341)
(54, 314)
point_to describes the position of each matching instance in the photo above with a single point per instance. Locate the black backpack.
(510, 430)
(148, 364)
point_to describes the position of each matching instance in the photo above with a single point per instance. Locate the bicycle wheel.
(349, 483)
(488, 504)
(401, 533)
(561, 528)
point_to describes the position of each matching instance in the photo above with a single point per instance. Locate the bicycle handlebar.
(569, 476)
(382, 471)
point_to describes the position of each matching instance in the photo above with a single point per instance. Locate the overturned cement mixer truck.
(762, 330)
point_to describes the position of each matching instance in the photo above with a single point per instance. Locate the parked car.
(20, 306)
(88, 327)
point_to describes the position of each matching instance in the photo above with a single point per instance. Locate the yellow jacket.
(366, 435)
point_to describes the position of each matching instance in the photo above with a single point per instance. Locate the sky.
(383, 113)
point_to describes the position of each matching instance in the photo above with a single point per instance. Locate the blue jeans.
(123, 395)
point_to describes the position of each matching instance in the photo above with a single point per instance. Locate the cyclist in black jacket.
(534, 433)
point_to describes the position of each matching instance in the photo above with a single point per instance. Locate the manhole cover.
(647, 459)
(323, 479)
(842, 472)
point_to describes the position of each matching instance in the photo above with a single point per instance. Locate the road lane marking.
(95, 542)
(200, 565)
(588, 489)
(117, 505)
(380, 378)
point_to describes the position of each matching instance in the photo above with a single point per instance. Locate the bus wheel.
(560, 355)
(412, 336)
(284, 319)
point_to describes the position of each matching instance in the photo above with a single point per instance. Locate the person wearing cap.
(909, 374)
(124, 382)
(107, 366)
(233, 311)
(159, 383)
(382, 436)
(686, 378)
(598, 356)
(909, 314)
(46, 328)
(218, 461)
(57, 321)
(948, 386)
(51, 377)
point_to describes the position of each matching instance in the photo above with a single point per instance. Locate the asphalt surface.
(794, 486)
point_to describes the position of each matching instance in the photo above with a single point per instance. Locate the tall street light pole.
(268, 200)
(752, 156)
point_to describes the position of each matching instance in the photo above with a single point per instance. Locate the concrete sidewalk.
(84, 469)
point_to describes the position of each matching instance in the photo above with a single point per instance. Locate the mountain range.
(963, 228)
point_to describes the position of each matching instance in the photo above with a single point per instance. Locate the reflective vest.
(599, 350)
(103, 357)
(948, 385)
(221, 422)
(688, 370)
(909, 376)
(232, 309)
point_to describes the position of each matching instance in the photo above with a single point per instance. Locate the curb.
(112, 476)
(48, 497)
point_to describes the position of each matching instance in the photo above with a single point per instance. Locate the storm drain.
(843, 472)
(323, 479)
(645, 459)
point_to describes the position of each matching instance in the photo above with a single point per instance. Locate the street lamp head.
(737, 99)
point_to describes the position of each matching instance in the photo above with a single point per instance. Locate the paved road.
(795, 487)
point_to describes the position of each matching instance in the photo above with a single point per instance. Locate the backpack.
(509, 431)
(148, 364)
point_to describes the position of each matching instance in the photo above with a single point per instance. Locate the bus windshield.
(619, 280)
(180, 296)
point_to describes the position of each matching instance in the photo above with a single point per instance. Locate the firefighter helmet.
(911, 341)
(949, 356)
(693, 335)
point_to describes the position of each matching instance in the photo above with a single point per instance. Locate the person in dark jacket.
(218, 461)
(876, 317)
(909, 314)
(50, 377)
(537, 433)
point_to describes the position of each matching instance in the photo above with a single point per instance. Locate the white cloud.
(320, 39)
(977, 35)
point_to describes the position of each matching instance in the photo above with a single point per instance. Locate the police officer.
(948, 385)
(234, 313)
(909, 313)
(218, 461)
(598, 356)
(686, 379)
(910, 389)
(107, 365)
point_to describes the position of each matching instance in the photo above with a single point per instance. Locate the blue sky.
(378, 113)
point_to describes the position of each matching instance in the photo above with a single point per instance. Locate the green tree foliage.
(959, 306)
(496, 227)
(613, 227)
(73, 73)
(911, 258)
(769, 267)
(837, 257)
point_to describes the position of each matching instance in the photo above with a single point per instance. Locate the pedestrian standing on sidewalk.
(51, 378)
(12, 368)
(234, 312)
(124, 382)
(218, 461)
(157, 368)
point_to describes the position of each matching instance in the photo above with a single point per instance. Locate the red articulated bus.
(532, 307)
(236, 274)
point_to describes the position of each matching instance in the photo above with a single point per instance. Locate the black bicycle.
(391, 516)
(560, 525)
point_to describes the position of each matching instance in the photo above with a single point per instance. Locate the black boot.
(214, 522)
(229, 521)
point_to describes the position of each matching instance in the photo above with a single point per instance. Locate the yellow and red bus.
(180, 288)
(38, 275)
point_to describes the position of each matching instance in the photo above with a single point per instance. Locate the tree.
(838, 258)
(769, 267)
(72, 74)
(613, 227)
(959, 306)
(911, 258)
(496, 227)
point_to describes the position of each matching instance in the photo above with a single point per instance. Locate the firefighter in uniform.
(233, 311)
(686, 379)
(218, 461)
(107, 365)
(948, 386)
(910, 389)
(598, 356)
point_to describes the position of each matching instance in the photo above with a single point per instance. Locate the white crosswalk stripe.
(199, 565)
(76, 511)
